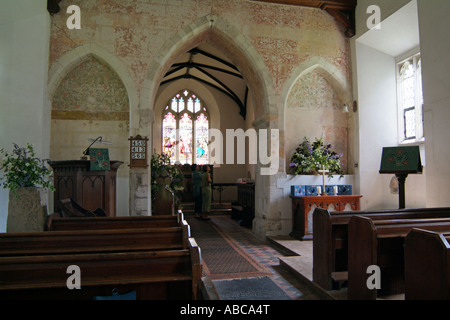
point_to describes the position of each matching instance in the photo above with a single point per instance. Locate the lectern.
(91, 189)
(401, 161)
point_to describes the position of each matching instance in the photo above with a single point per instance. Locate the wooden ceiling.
(342, 10)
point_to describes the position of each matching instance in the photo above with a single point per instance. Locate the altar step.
(298, 260)
(217, 208)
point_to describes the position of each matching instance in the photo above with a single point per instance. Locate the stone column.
(267, 216)
(140, 192)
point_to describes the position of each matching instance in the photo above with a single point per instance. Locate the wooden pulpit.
(91, 189)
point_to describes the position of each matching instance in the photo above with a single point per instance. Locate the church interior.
(154, 88)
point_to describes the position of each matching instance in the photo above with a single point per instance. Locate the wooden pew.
(381, 243)
(330, 243)
(55, 223)
(427, 265)
(163, 274)
(94, 241)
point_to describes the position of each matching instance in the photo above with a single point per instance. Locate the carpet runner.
(222, 256)
(262, 288)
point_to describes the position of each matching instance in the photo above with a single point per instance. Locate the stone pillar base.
(27, 212)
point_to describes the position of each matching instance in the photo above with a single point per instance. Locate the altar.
(303, 209)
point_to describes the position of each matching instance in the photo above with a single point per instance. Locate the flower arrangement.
(161, 167)
(23, 169)
(312, 157)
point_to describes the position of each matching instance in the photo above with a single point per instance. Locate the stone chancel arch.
(234, 45)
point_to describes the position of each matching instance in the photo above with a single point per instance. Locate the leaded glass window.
(185, 129)
(169, 128)
(410, 99)
(201, 142)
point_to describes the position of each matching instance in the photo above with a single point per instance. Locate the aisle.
(241, 266)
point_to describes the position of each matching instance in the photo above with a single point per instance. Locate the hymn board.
(138, 152)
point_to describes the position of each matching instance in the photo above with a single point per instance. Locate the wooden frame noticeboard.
(138, 152)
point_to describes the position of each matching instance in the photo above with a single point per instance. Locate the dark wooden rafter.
(342, 10)
(212, 81)
(241, 105)
(179, 66)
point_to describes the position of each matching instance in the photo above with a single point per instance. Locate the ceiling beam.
(53, 6)
(211, 81)
(242, 106)
(179, 66)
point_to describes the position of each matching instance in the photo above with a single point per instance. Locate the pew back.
(163, 274)
(381, 243)
(330, 243)
(55, 223)
(427, 265)
(91, 241)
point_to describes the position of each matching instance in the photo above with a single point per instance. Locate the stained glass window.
(201, 139)
(185, 148)
(410, 99)
(185, 129)
(169, 128)
(191, 105)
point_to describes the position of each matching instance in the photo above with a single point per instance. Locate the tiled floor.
(263, 252)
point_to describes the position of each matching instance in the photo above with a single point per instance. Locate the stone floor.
(299, 262)
(289, 261)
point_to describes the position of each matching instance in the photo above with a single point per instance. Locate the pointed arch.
(68, 61)
(335, 77)
(213, 29)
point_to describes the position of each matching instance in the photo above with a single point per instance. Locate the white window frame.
(418, 103)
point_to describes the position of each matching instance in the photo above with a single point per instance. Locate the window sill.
(412, 142)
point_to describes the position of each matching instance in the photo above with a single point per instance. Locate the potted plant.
(166, 184)
(28, 178)
(310, 158)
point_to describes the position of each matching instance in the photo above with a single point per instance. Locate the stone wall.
(272, 45)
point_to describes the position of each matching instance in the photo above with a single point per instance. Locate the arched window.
(185, 127)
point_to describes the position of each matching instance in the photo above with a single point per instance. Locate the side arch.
(335, 77)
(332, 74)
(68, 61)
